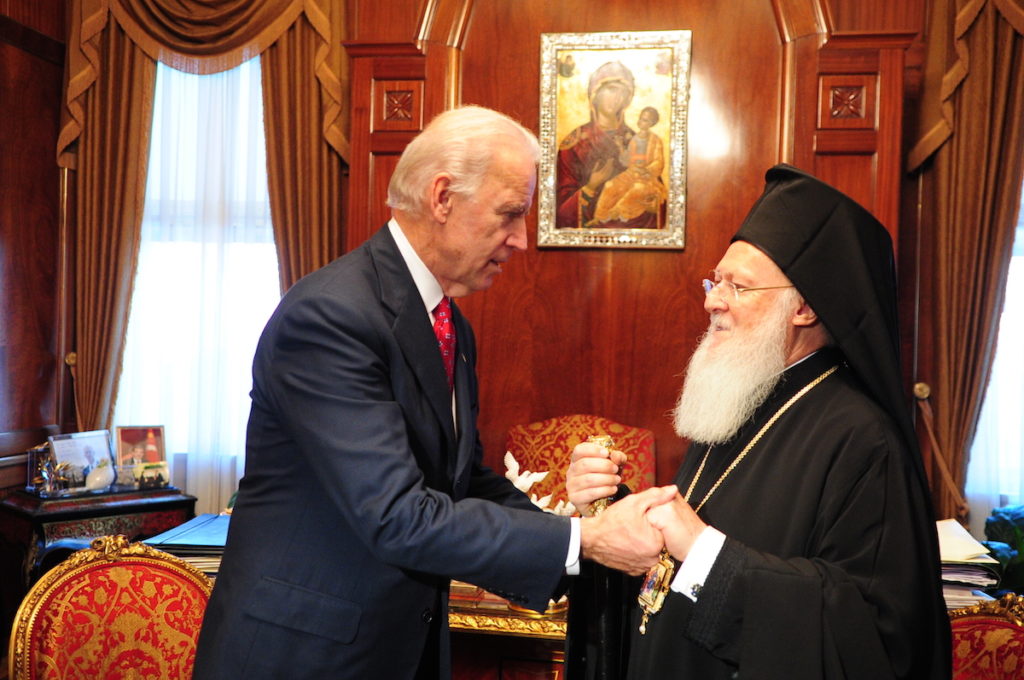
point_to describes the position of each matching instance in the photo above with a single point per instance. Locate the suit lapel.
(465, 394)
(412, 329)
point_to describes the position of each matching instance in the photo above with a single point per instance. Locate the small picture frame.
(80, 462)
(140, 444)
(141, 456)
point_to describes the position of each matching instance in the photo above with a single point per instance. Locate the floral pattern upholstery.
(988, 640)
(115, 610)
(547, 445)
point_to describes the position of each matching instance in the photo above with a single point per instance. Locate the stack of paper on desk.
(967, 565)
(199, 541)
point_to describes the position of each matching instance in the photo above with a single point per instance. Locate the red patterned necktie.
(445, 332)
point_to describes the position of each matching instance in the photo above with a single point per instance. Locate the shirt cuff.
(694, 570)
(572, 559)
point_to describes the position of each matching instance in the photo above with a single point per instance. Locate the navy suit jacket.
(359, 500)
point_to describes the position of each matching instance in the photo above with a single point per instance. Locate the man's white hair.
(461, 142)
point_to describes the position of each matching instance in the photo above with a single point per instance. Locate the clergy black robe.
(827, 569)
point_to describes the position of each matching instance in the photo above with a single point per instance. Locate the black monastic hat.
(841, 260)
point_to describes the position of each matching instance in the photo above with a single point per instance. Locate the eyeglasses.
(727, 286)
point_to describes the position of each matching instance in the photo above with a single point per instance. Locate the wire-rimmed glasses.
(726, 286)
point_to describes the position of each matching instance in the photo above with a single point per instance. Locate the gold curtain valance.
(946, 67)
(200, 37)
(197, 36)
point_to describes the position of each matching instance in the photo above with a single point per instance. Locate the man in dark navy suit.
(364, 491)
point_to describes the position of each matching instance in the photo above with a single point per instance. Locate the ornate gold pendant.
(655, 588)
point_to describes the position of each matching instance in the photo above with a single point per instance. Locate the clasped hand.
(631, 533)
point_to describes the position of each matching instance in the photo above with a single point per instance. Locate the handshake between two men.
(631, 533)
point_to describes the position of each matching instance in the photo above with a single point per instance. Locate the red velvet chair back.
(114, 610)
(988, 640)
(547, 445)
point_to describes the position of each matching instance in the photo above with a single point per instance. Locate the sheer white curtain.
(207, 278)
(995, 473)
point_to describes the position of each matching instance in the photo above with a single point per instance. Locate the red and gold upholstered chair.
(988, 640)
(114, 610)
(547, 445)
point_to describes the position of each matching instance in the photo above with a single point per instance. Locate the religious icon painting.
(613, 113)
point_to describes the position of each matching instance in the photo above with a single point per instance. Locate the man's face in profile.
(743, 353)
(481, 232)
(733, 311)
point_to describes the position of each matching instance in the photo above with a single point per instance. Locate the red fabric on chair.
(547, 446)
(115, 610)
(988, 640)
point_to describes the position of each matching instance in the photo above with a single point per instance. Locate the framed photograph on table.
(140, 444)
(142, 455)
(81, 461)
(613, 115)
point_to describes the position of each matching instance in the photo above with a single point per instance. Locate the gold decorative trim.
(508, 625)
(1009, 607)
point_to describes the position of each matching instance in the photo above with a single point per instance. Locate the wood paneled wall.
(818, 84)
(31, 373)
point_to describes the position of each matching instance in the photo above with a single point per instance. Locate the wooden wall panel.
(845, 170)
(387, 22)
(28, 216)
(859, 89)
(396, 89)
(873, 15)
(609, 331)
(31, 374)
(43, 16)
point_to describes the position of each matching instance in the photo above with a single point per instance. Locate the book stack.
(199, 541)
(967, 566)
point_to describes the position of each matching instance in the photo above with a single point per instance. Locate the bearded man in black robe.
(802, 544)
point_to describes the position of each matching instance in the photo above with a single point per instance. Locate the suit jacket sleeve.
(332, 373)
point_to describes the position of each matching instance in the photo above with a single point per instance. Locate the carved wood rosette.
(856, 139)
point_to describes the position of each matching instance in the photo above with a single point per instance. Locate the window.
(995, 473)
(207, 279)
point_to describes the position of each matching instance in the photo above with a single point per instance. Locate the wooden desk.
(29, 524)
(493, 641)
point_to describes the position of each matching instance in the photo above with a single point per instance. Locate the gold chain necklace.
(736, 461)
(659, 579)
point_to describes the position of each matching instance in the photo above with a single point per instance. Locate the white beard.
(724, 385)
